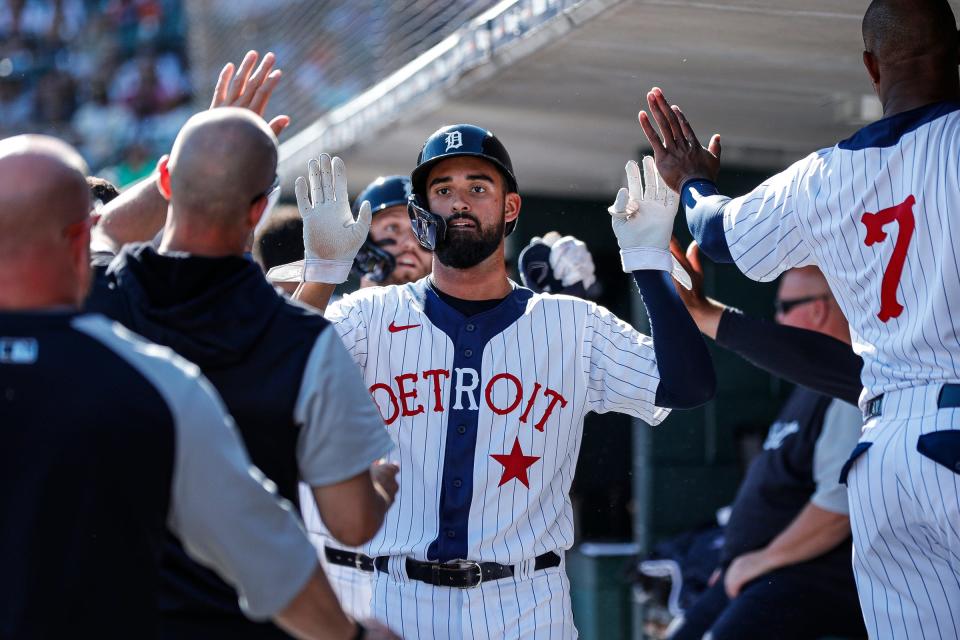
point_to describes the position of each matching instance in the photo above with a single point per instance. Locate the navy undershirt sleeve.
(807, 358)
(687, 378)
(704, 206)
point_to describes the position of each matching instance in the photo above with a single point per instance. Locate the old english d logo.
(454, 141)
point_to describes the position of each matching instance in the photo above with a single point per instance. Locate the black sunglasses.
(783, 307)
(270, 192)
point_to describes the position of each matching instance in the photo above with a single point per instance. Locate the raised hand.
(250, 89)
(331, 237)
(643, 215)
(678, 154)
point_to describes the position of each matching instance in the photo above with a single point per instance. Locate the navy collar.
(888, 131)
(493, 321)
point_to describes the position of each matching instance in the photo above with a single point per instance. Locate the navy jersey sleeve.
(803, 357)
(686, 371)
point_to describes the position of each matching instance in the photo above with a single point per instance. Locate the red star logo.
(515, 465)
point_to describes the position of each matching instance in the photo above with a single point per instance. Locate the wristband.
(326, 271)
(651, 258)
(692, 189)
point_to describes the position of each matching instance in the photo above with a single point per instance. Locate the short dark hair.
(102, 190)
(280, 240)
(897, 30)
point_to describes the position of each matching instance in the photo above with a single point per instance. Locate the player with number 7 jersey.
(877, 213)
(874, 213)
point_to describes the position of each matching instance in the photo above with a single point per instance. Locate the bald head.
(900, 30)
(222, 160)
(44, 245)
(43, 189)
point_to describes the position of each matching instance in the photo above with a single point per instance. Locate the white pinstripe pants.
(535, 606)
(905, 517)
(353, 587)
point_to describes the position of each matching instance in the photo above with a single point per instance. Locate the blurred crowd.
(110, 76)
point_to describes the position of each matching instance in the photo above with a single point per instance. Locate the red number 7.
(875, 222)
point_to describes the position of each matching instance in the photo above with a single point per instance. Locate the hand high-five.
(331, 237)
(643, 212)
(642, 217)
(250, 91)
(678, 153)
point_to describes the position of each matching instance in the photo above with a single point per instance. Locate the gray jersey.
(221, 506)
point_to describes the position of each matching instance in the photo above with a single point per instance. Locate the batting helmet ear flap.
(373, 262)
(428, 227)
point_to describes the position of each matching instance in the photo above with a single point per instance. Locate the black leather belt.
(348, 559)
(949, 398)
(464, 574)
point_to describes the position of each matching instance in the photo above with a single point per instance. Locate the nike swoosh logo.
(394, 328)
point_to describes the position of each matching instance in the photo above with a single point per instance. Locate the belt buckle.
(462, 565)
(358, 561)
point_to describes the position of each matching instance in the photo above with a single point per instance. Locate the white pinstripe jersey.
(877, 213)
(487, 412)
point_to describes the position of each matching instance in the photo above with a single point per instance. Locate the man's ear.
(820, 311)
(873, 68)
(511, 207)
(163, 177)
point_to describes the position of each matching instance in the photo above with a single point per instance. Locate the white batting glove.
(571, 262)
(642, 218)
(331, 237)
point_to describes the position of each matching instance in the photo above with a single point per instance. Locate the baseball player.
(563, 263)
(483, 386)
(876, 213)
(391, 254)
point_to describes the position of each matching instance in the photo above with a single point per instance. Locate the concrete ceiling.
(776, 78)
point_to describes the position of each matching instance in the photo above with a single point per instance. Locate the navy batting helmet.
(453, 141)
(386, 191)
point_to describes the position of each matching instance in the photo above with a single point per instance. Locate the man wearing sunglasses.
(785, 566)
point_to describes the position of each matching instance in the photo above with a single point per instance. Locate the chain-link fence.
(329, 50)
